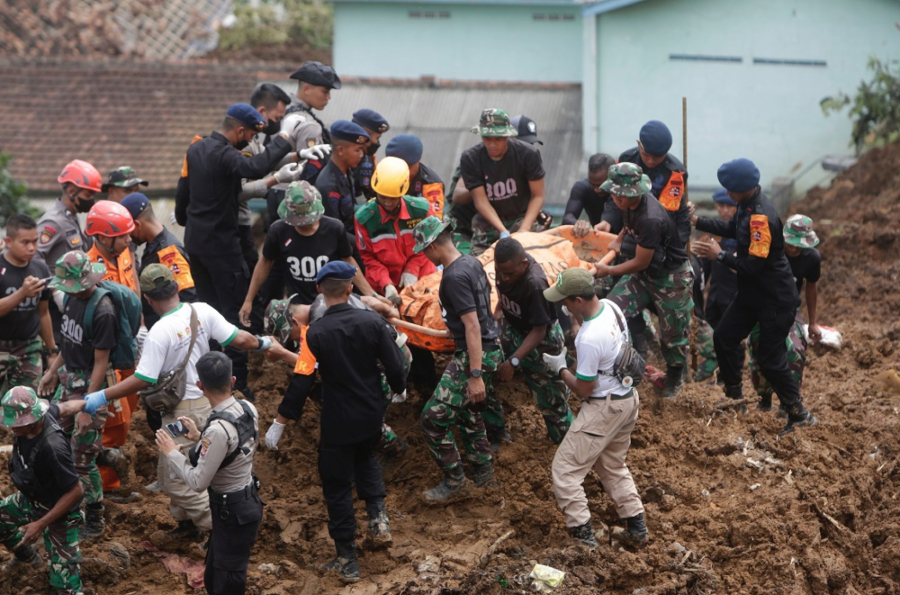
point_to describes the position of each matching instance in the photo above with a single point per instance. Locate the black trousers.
(774, 326)
(340, 466)
(251, 257)
(222, 282)
(229, 548)
(714, 312)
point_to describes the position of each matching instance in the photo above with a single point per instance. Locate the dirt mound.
(730, 508)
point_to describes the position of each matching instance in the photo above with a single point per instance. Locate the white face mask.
(566, 311)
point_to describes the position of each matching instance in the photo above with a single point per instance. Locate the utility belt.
(613, 397)
(245, 493)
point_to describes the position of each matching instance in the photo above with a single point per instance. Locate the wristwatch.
(515, 361)
(476, 373)
(720, 256)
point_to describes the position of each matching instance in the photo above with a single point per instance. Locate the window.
(700, 58)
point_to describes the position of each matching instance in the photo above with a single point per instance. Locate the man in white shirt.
(601, 434)
(164, 349)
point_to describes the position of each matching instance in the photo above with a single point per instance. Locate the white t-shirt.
(168, 340)
(598, 343)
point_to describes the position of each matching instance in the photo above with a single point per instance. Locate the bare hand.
(709, 249)
(165, 442)
(244, 313)
(602, 270)
(48, 384)
(475, 390)
(815, 333)
(276, 352)
(32, 287)
(615, 246)
(505, 372)
(603, 226)
(581, 228)
(692, 208)
(82, 423)
(31, 532)
(193, 434)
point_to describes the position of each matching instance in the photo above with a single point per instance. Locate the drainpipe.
(589, 132)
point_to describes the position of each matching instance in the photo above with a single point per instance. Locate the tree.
(12, 193)
(875, 109)
(279, 21)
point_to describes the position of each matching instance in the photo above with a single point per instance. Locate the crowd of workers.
(87, 327)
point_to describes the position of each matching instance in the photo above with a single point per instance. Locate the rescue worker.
(601, 434)
(315, 83)
(302, 241)
(375, 125)
(767, 294)
(121, 182)
(348, 343)
(25, 325)
(165, 348)
(46, 503)
(336, 182)
(221, 464)
(588, 196)
(529, 329)
(460, 396)
(207, 203)
(658, 274)
(506, 179)
(423, 181)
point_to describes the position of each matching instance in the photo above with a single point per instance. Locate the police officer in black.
(767, 294)
(348, 343)
(375, 125)
(207, 204)
(338, 183)
(221, 462)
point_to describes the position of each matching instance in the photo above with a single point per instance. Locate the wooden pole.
(684, 158)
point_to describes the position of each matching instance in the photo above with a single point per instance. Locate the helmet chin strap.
(109, 248)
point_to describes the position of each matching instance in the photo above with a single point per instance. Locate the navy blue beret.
(371, 120)
(247, 115)
(135, 203)
(740, 175)
(336, 269)
(721, 197)
(316, 73)
(348, 131)
(656, 138)
(407, 147)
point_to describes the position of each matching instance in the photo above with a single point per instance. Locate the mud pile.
(730, 507)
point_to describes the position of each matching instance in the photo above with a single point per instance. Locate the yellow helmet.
(391, 177)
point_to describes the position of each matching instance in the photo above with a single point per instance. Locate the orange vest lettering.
(434, 194)
(670, 197)
(306, 361)
(181, 270)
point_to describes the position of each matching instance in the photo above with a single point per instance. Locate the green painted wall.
(767, 113)
(472, 42)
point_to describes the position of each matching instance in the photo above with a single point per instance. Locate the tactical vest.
(23, 473)
(245, 428)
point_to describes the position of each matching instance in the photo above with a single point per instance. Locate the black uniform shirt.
(78, 349)
(659, 177)
(362, 175)
(207, 198)
(165, 239)
(806, 266)
(338, 195)
(651, 227)
(464, 288)
(505, 182)
(54, 467)
(23, 323)
(523, 302)
(348, 344)
(583, 197)
(302, 256)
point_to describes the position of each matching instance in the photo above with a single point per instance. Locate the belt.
(486, 345)
(244, 493)
(613, 397)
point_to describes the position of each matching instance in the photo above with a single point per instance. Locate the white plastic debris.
(754, 487)
(831, 337)
(546, 578)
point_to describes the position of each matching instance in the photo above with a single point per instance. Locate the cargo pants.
(20, 364)
(389, 439)
(706, 349)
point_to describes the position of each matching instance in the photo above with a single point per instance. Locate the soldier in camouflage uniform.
(87, 370)
(121, 182)
(658, 275)
(49, 490)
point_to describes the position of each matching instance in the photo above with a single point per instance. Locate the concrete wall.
(463, 42)
(766, 112)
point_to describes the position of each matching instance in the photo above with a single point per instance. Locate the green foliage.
(275, 22)
(12, 194)
(875, 109)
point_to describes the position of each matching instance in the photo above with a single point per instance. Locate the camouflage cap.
(22, 407)
(156, 276)
(123, 177)
(626, 179)
(278, 321)
(427, 231)
(74, 273)
(302, 204)
(798, 231)
(570, 282)
(494, 122)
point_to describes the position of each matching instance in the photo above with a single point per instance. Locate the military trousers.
(20, 364)
(86, 445)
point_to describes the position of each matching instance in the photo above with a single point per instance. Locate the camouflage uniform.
(389, 439)
(706, 350)
(549, 391)
(796, 356)
(20, 363)
(448, 407)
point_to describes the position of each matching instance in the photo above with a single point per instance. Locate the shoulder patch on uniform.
(47, 234)
(760, 236)
(204, 446)
(310, 143)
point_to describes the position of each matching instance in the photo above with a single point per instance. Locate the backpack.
(128, 319)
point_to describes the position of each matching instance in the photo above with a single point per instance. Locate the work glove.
(264, 343)
(141, 335)
(315, 153)
(407, 279)
(288, 173)
(390, 292)
(398, 397)
(172, 219)
(557, 363)
(504, 234)
(94, 401)
(274, 435)
(289, 125)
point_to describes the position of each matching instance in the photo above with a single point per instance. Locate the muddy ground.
(730, 507)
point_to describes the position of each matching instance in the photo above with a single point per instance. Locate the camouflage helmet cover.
(74, 273)
(626, 179)
(427, 231)
(494, 122)
(302, 204)
(798, 231)
(278, 320)
(22, 407)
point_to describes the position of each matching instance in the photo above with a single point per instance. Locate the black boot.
(483, 475)
(674, 382)
(639, 342)
(93, 521)
(497, 435)
(378, 528)
(24, 555)
(798, 417)
(584, 534)
(453, 483)
(345, 563)
(765, 403)
(636, 530)
(734, 399)
(187, 531)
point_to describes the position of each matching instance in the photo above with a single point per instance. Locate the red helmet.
(82, 174)
(109, 219)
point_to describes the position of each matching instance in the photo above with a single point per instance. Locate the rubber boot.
(453, 483)
(25, 555)
(674, 382)
(186, 530)
(636, 530)
(798, 417)
(497, 435)
(765, 403)
(584, 534)
(345, 564)
(378, 527)
(483, 475)
(93, 521)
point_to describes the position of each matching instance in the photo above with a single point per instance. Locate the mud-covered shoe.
(94, 524)
(345, 564)
(483, 475)
(187, 531)
(674, 382)
(498, 435)
(24, 555)
(636, 531)
(584, 535)
(453, 484)
(798, 417)
(115, 459)
(781, 413)
(765, 403)
(378, 527)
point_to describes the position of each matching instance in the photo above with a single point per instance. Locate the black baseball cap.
(316, 73)
(527, 129)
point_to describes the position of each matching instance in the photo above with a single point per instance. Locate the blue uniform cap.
(247, 115)
(371, 120)
(740, 175)
(336, 269)
(348, 131)
(656, 138)
(135, 203)
(407, 147)
(721, 197)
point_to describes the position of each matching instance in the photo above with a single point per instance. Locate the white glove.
(289, 125)
(288, 173)
(504, 234)
(172, 219)
(315, 153)
(407, 279)
(557, 363)
(141, 335)
(390, 292)
(274, 435)
(398, 398)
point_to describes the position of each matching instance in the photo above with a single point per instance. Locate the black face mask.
(272, 128)
(81, 205)
(372, 149)
(241, 145)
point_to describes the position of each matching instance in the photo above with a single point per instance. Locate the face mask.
(83, 206)
(372, 149)
(241, 145)
(566, 311)
(272, 128)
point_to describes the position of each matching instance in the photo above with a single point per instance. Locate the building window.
(781, 62)
(552, 17)
(429, 14)
(700, 58)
